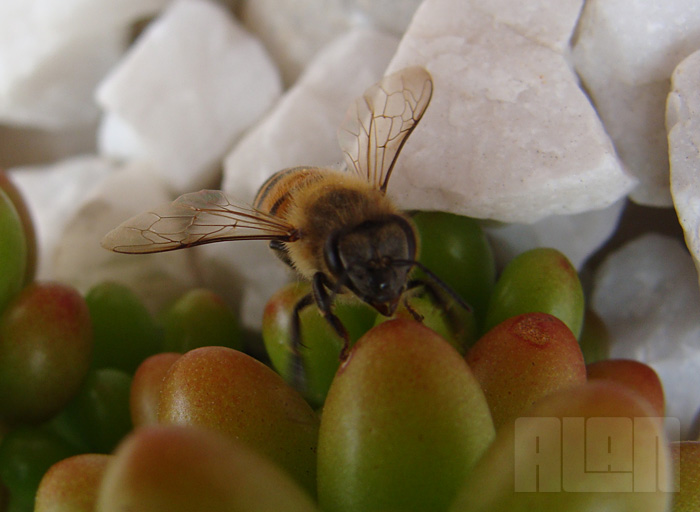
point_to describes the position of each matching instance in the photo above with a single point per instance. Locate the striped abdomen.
(276, 194)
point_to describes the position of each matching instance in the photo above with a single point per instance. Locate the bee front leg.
(320, 286)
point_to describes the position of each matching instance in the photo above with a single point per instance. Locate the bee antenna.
(435, 279)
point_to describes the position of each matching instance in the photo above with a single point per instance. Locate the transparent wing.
(378, 124)
(194, 219)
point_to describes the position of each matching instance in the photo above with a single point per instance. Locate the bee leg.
(434, 286)
(429, 288)
(320, 286)
(297, 366)
(415, 314)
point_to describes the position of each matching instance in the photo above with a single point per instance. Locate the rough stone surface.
(625, 52)
(509, 135)
(683, 121)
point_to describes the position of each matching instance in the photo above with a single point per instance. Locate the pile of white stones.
(547, 117)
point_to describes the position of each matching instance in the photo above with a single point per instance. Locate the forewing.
(378, 124)
(194, 219)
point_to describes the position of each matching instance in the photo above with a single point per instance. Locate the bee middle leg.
(440, 294)
(320, 286)
(434, 286)
(429, 288)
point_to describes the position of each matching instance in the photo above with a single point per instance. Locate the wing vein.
(194, 219)
(378, 124)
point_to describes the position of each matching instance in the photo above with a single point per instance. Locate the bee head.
(370, 260)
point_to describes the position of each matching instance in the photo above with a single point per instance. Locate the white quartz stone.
(53, 54)
(54, 193)
(82, 15)
(293, 31)
(647, 295)
(301, 130)
(48, 81)
(578, 236)
(85, 15)
(119, 140)
(191, 84)
(509, 135)
(683, 121)
(80, 260)
(625, 52)
(391, 15)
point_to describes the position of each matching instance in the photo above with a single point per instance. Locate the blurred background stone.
(81, 261)
(190, 85)
(52, 54)
(578, 236)
(293, 31)
(302, 127)
(54, 193)
(393, 16)
(647, 294)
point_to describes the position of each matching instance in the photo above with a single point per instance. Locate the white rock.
(391, 15)
(509, 135)
(80, 260)
(53, 54)
(578, 236)
(79, 16)
(301, 130)
(54, 193)
(118, 139)
(647, 295)
(36, 90)
(293, 31)
(625, 53)
(191, 84)
(683, 121)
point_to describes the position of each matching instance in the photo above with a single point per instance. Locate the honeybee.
(336, 228)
